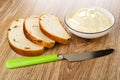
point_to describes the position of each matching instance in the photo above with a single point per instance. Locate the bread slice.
(19, 43)
(51, 27)
(33, 33)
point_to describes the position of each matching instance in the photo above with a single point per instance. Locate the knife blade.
(28, 61)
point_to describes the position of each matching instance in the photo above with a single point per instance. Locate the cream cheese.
(89, 20)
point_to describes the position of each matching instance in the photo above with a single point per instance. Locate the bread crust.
(35, 40)
(26, 51)
(52, 36)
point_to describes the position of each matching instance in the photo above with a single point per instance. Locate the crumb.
(34, 26)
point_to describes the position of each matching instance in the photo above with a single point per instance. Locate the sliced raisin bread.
(20, 43)
(33, 33)
(52, 28)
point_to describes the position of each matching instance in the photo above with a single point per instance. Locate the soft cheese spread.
(89, 20)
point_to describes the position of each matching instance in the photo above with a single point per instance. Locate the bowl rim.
(65, 19)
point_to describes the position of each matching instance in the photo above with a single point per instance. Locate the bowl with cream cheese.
(90, 23)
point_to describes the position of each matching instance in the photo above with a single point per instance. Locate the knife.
(28, 61)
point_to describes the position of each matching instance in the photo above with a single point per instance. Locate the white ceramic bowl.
(94, 34)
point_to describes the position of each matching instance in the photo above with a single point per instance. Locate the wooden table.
(105, 68)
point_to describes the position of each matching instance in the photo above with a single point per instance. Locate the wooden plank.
(105, 68)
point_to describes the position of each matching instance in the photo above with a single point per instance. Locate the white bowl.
(94, 34)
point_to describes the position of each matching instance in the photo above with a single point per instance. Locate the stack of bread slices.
(30, 36)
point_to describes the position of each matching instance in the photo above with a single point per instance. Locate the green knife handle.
(21, 62)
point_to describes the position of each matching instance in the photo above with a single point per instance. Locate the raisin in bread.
(19, 43)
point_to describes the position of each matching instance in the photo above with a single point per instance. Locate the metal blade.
(88, 55)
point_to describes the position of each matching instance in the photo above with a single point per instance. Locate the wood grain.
(105, 68)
